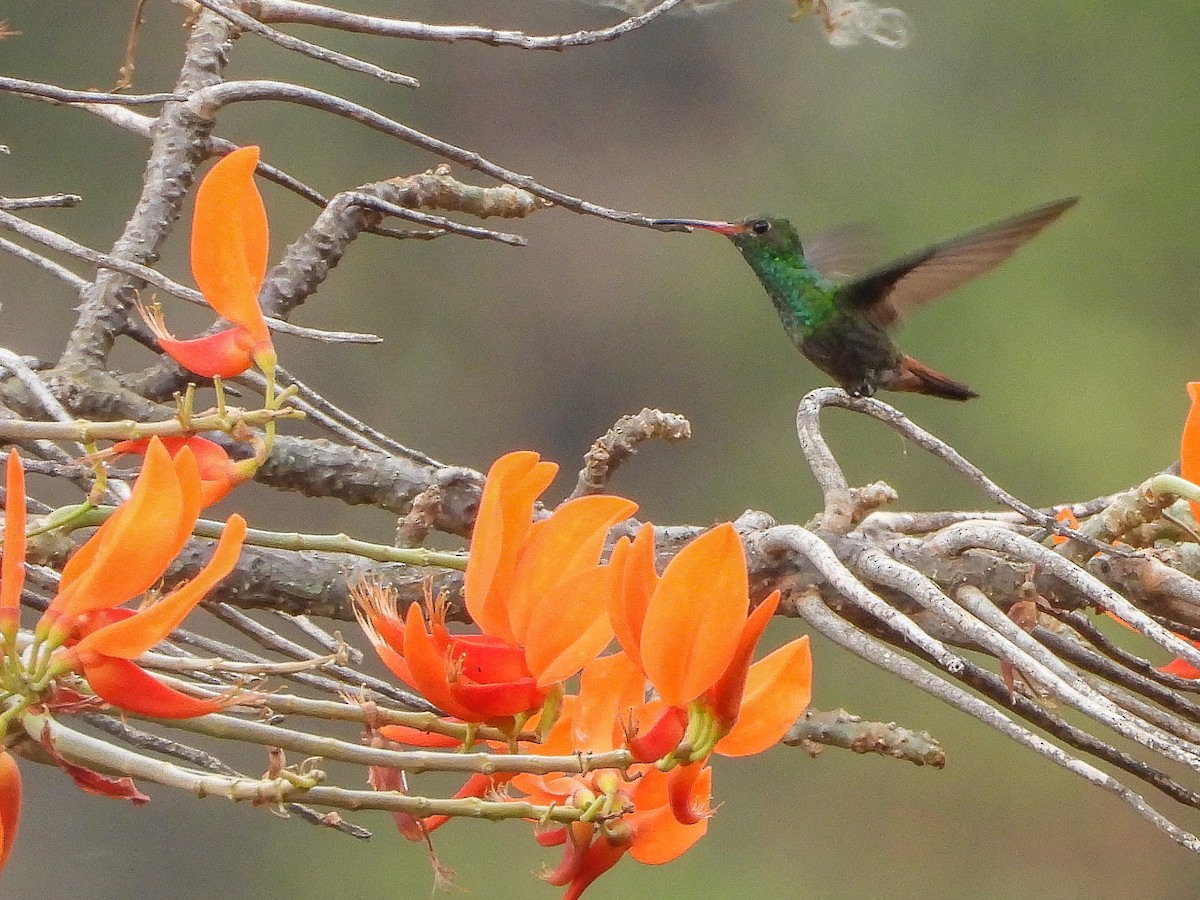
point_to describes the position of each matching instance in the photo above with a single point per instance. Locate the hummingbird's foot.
(865, 388)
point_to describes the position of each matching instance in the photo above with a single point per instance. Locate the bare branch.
(313, 51)
(816, 614)
(60, 272)
(56, 94)
(290, 11)
(207, 102)
(49, 201)
(838, 728)
(609, 452)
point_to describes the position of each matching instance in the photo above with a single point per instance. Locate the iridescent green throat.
(802, 296)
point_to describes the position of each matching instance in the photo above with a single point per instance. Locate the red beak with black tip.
(718, 227)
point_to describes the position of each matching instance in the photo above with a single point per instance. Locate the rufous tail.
(918, 378)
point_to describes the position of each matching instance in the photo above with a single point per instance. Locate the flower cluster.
(88, 637)
(679, 685)
(88, 630)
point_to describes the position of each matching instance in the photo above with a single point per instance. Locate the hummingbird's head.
(767, 232)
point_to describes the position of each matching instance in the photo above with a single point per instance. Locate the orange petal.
(10, 802)
(514, 482)
(226, 353)
(663, 734)
(1189, 450)
(229, 241)
(415, 737)
(388, 641)
(130, 551)
(575, 849)
(695, 618)
(608, 686)
(92, 782)
(1180, 668)
(12, 565)
(427, 666)
(568, 542)
(131, 637)
(658, 837)
(477, 785)
(604, 852)
(124, 684)
(725, 696)
(688, 797)
(218, 475)
(778, 690)
(570, 626)
(627, 606)
(499, 700)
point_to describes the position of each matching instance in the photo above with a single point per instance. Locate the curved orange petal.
(688, 797)
(187, 472)
(128, 553)
(725, 696)
(1189, 450)
(218, 473)
(514, 482)
(567, 542)
(12, 563)
(385, 630)
(658, 837)
(1180, 668)
(570, 627)
(229, 241)
(122, 683)
(608, 686)
(132, 636)
(10, 803)
(604, 852)
(395, 661)
(415, 737)
(225, 354)
(666, 728)
(627, 605)
(778, 690)
(427, 666)
(477, 785)
(694, 620)
(497, 700)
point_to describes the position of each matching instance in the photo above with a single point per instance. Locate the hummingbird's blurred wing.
(844, 252)
(890, 292)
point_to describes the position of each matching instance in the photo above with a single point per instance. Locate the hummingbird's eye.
(760, 226)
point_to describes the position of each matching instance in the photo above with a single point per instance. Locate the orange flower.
(218, 473)
(229, 261)
(636, 806)
(12, 567)
(10, 804)
(1189, 450)
(86, 625)
(690, 633)
(536, 591)
(1064, 515)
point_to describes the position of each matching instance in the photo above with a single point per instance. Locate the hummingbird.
(842, 327)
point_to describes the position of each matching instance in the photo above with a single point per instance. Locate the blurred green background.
(1080, 348)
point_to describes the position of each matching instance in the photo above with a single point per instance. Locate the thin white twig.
(290, 11)
(973, 535)
(813, 611)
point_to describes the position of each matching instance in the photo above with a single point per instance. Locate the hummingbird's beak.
(719, 227)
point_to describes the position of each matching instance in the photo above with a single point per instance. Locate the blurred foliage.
(1080, 347)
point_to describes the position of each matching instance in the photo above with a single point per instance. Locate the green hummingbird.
(842, 327)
